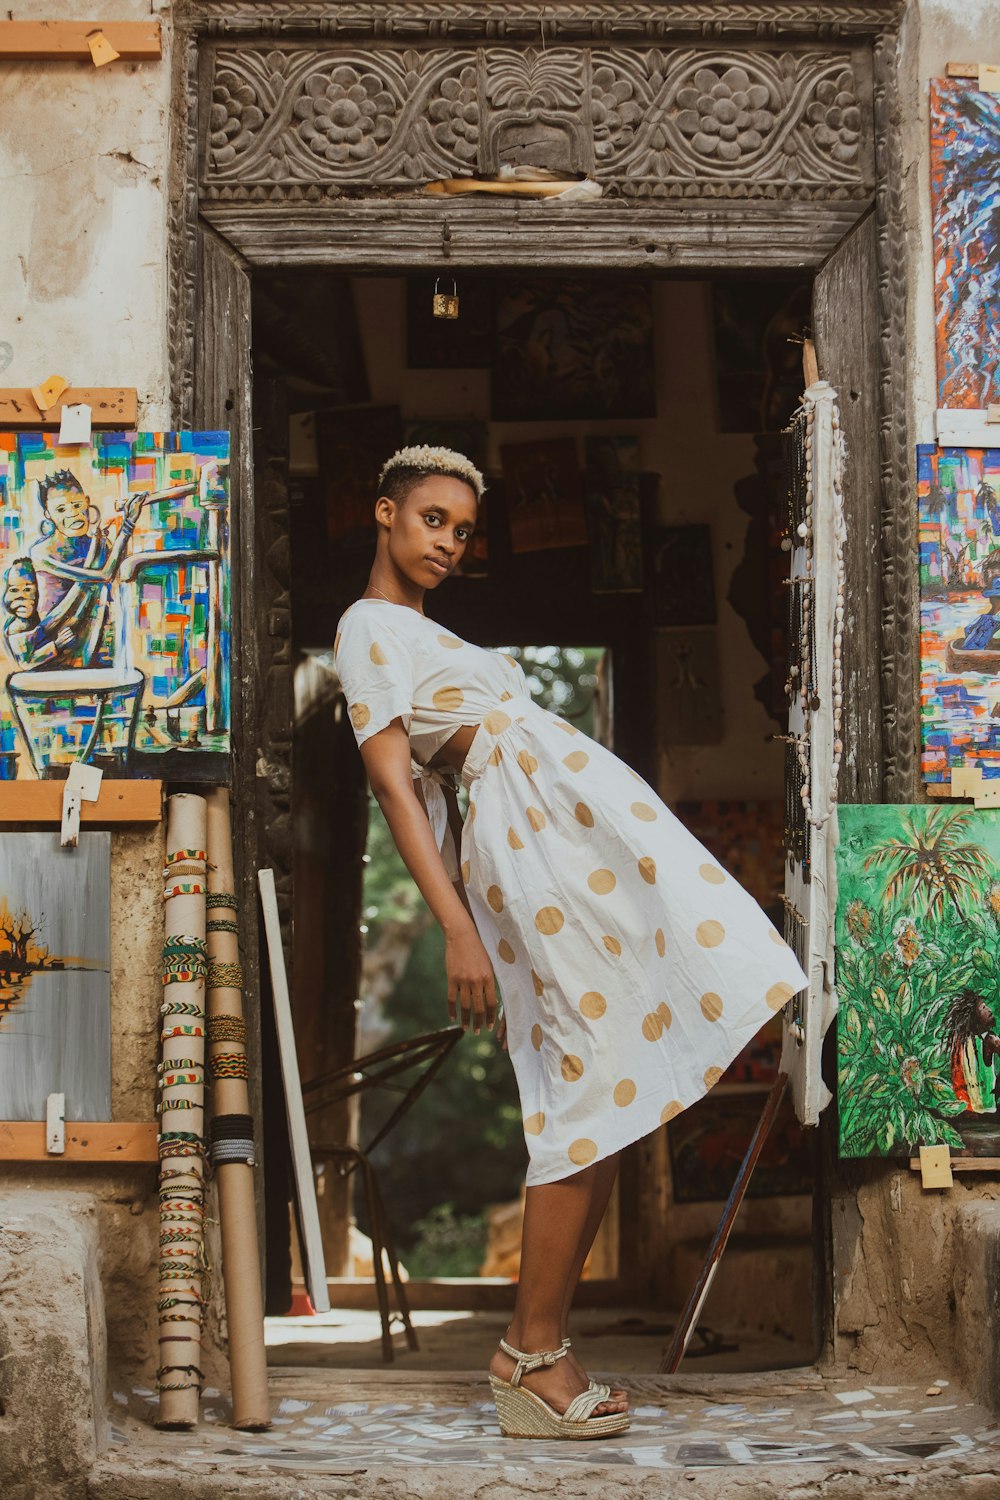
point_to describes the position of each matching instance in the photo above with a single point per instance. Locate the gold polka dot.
(447, 698)
(670, 1111)
(776, 937)
(712, 874)
(712, 1076)
(495, 756)
(511, 659)
(549, 920)
(644, 811)
(711, 1005)
(593, 1005)
(571, 1067)
(534, 1124)
(377, 654)
(624, 1092)
(612, 944)
(496, 721)
(506, 952)
(537, 1037)
(582, 1152)
(569, 728)
(647, 869)
(360, 714)
(576, 760)
(495, 897)
(779, 995)
(710, 933)
(539, 986)
(513, 840)
(660, 941)
(336, 642)
(450, 642)
(535, 817)
(657, 1022)
(601, 882)
(528, 763)
(583, 814)
(466, 871)
(505, 696)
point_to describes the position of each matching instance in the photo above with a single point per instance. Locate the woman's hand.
(471, 985)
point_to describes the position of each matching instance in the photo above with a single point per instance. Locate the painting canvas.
(709, 1140)
(758, 329)
(683, 584)
(959, 519)
(918, 979)
(613, 487)
(55, 975)
(573, 350)
(689, 686)
(544, 495)
(116, 605)
(965, 196)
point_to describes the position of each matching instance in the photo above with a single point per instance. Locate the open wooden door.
(834, 749)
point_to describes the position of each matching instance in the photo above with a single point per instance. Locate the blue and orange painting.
(115, 610)
(965, 190)
(959, 519)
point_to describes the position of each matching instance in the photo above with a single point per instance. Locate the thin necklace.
(393, 601)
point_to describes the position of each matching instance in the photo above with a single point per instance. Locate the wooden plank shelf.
(22, 41)
(119, 802)
(110, 406)
(94, 1141)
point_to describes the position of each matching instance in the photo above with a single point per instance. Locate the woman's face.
(20, 597)
(430, 530)
(68, 512)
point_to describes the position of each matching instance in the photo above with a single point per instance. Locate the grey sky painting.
(55, 980)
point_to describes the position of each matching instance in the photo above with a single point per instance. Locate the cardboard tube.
(230, 1096)
(183, 1057)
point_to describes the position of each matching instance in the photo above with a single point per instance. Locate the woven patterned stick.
(232, 1131)
(181, 1106)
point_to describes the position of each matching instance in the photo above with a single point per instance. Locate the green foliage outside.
(460, 1147)
(918, 949)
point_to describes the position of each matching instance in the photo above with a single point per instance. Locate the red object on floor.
(301, 1306)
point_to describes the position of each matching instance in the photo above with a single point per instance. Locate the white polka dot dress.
(632, 967)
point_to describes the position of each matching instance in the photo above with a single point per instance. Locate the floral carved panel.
(312, 123)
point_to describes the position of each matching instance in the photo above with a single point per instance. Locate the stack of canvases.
(918, 927)
(114, 551)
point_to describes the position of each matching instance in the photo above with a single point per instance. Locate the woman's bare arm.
(471, 985)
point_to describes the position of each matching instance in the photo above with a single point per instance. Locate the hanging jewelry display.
(181, 1111)
(232, 1132)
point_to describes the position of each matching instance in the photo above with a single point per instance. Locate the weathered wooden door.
(834, 748)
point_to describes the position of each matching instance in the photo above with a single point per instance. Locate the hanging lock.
(445, 304)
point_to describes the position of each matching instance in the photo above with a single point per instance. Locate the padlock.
(445, 304)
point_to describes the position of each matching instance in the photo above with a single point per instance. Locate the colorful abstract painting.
(965, 194)
(918, 979)
(959, 518)
(709, 1140)
(116, 605)
(55, 975)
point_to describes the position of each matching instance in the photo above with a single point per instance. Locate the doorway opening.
(631, 555)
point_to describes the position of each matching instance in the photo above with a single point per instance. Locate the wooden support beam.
(23, 41)
(965, 1163)
(108, 407)
(119, 802)
(96, 1141)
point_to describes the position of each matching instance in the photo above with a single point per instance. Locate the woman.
(633, 969)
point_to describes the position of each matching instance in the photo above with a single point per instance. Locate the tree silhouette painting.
(918, 979)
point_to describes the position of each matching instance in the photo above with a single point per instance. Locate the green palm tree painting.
(918, 979)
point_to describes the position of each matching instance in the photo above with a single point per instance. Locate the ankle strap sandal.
(523, 1414)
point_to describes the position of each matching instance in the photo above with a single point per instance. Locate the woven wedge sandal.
(523, 1414)
(607, 1392)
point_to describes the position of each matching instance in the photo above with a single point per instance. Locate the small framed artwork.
(612, 485)
(544, 495)
(689, 688)
(352, 444)
(573, 350)
(681, 577)
(462, 343)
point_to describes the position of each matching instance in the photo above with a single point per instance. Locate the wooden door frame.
(716, 222)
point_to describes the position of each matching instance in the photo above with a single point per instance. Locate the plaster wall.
(83, 168)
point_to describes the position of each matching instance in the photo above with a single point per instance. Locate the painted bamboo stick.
(232, 1130)
(182, 1099)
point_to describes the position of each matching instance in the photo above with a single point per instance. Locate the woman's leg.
(555, 1217)
(605, 1173)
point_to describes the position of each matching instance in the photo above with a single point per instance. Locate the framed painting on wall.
(918, 954)
(613, 486)
(116, 605)
(544, 495)
(682, 577)
(55, 975)
(709, 1140)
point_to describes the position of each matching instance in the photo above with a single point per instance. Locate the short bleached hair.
(408, 466)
